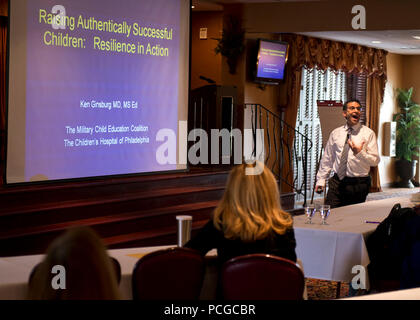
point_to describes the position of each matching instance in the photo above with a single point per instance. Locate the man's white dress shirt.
(357, 165)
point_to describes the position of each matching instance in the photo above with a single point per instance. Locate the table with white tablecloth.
(15, 271)
(330, 251)
(407, 294)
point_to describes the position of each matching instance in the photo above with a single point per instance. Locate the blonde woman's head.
(250, 208)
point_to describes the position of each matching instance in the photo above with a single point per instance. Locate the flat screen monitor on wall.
(96, 87)
(271, 61)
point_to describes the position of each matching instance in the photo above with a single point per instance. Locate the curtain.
(292, 87)
(3, 54)
(375, 89)
(323, 54)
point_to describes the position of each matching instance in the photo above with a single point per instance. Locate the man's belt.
(353, 180)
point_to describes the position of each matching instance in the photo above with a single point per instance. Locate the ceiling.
(217, 5)
(395, 41)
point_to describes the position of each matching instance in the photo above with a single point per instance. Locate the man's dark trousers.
(350, 190)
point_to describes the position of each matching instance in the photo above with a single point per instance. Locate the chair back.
(262, 277)
(117, 268)
(171, 274)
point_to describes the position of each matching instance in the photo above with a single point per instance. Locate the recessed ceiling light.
(193, 6)
(416, 37)
(376, 41)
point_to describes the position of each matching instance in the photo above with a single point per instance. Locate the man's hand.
(319, 189)
(356, 148)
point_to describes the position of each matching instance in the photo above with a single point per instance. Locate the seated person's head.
(89, 273)
(250, 208)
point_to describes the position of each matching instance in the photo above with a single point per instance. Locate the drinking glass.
(325, 212)
(309, 211)
(184, 229)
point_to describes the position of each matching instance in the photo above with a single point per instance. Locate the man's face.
(352, 113)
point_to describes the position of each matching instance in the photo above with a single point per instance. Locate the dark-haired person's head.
(345, 105)
(89, 273)
(352, 111)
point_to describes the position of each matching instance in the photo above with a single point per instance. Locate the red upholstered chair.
(171, 274)
(262, 277)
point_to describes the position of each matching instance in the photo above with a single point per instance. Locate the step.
(135, 239)
(24, 245)
(287, 200)
(145, 194)
(62, 212)
(13, 197)
(111, 219)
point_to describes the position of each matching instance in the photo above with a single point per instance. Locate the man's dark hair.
(351, 100)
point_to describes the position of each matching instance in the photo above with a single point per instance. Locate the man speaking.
(350, 152)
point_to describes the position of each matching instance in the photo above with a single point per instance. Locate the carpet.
(325, 290)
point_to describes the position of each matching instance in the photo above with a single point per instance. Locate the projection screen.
(91, 85)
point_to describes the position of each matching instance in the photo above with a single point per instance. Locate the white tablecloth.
(330, 251)
(15, 271)
(408, 294)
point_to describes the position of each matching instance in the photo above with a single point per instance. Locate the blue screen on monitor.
(272, 57)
